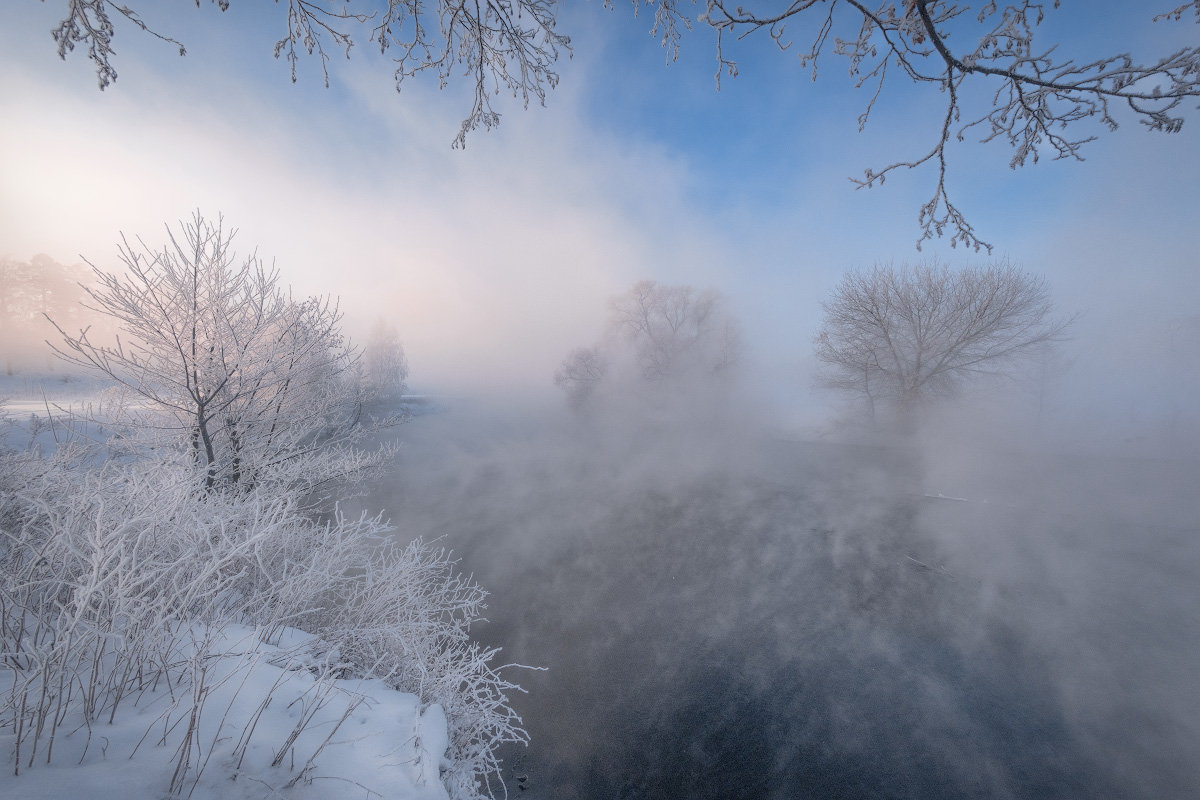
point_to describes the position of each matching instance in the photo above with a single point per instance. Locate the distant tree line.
(29, 292)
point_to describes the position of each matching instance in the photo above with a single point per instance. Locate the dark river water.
(731, 614)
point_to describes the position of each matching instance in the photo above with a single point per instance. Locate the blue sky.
(496, 260)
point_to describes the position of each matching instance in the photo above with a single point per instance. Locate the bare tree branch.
(90, 22)
(1039, 102)
(1039, 99)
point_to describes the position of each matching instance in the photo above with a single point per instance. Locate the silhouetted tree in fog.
(674, 329)
(659, 338)
(901, 335)
(580, 375)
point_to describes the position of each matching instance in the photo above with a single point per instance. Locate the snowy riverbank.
(273, 724)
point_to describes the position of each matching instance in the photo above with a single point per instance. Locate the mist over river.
(728, 612)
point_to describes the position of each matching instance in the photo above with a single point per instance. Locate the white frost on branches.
(1037, 98)
(120, 578)
(119, 582)
(999, 79)
(226, 365)
(502, 45)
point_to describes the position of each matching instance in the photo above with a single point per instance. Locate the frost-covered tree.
(900, 335)
(385, 365)
(998, 79)
(224, 363)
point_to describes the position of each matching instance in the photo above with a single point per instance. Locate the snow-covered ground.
(357, 738)
(26, 397)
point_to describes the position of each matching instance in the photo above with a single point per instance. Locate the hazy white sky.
(494, 261)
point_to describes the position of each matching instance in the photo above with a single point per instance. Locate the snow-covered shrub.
(117, 580)
(403, 613)
(104, 574)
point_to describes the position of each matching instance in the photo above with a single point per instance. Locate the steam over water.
(730, 614)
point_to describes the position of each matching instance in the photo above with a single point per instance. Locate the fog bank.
(727, 611)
